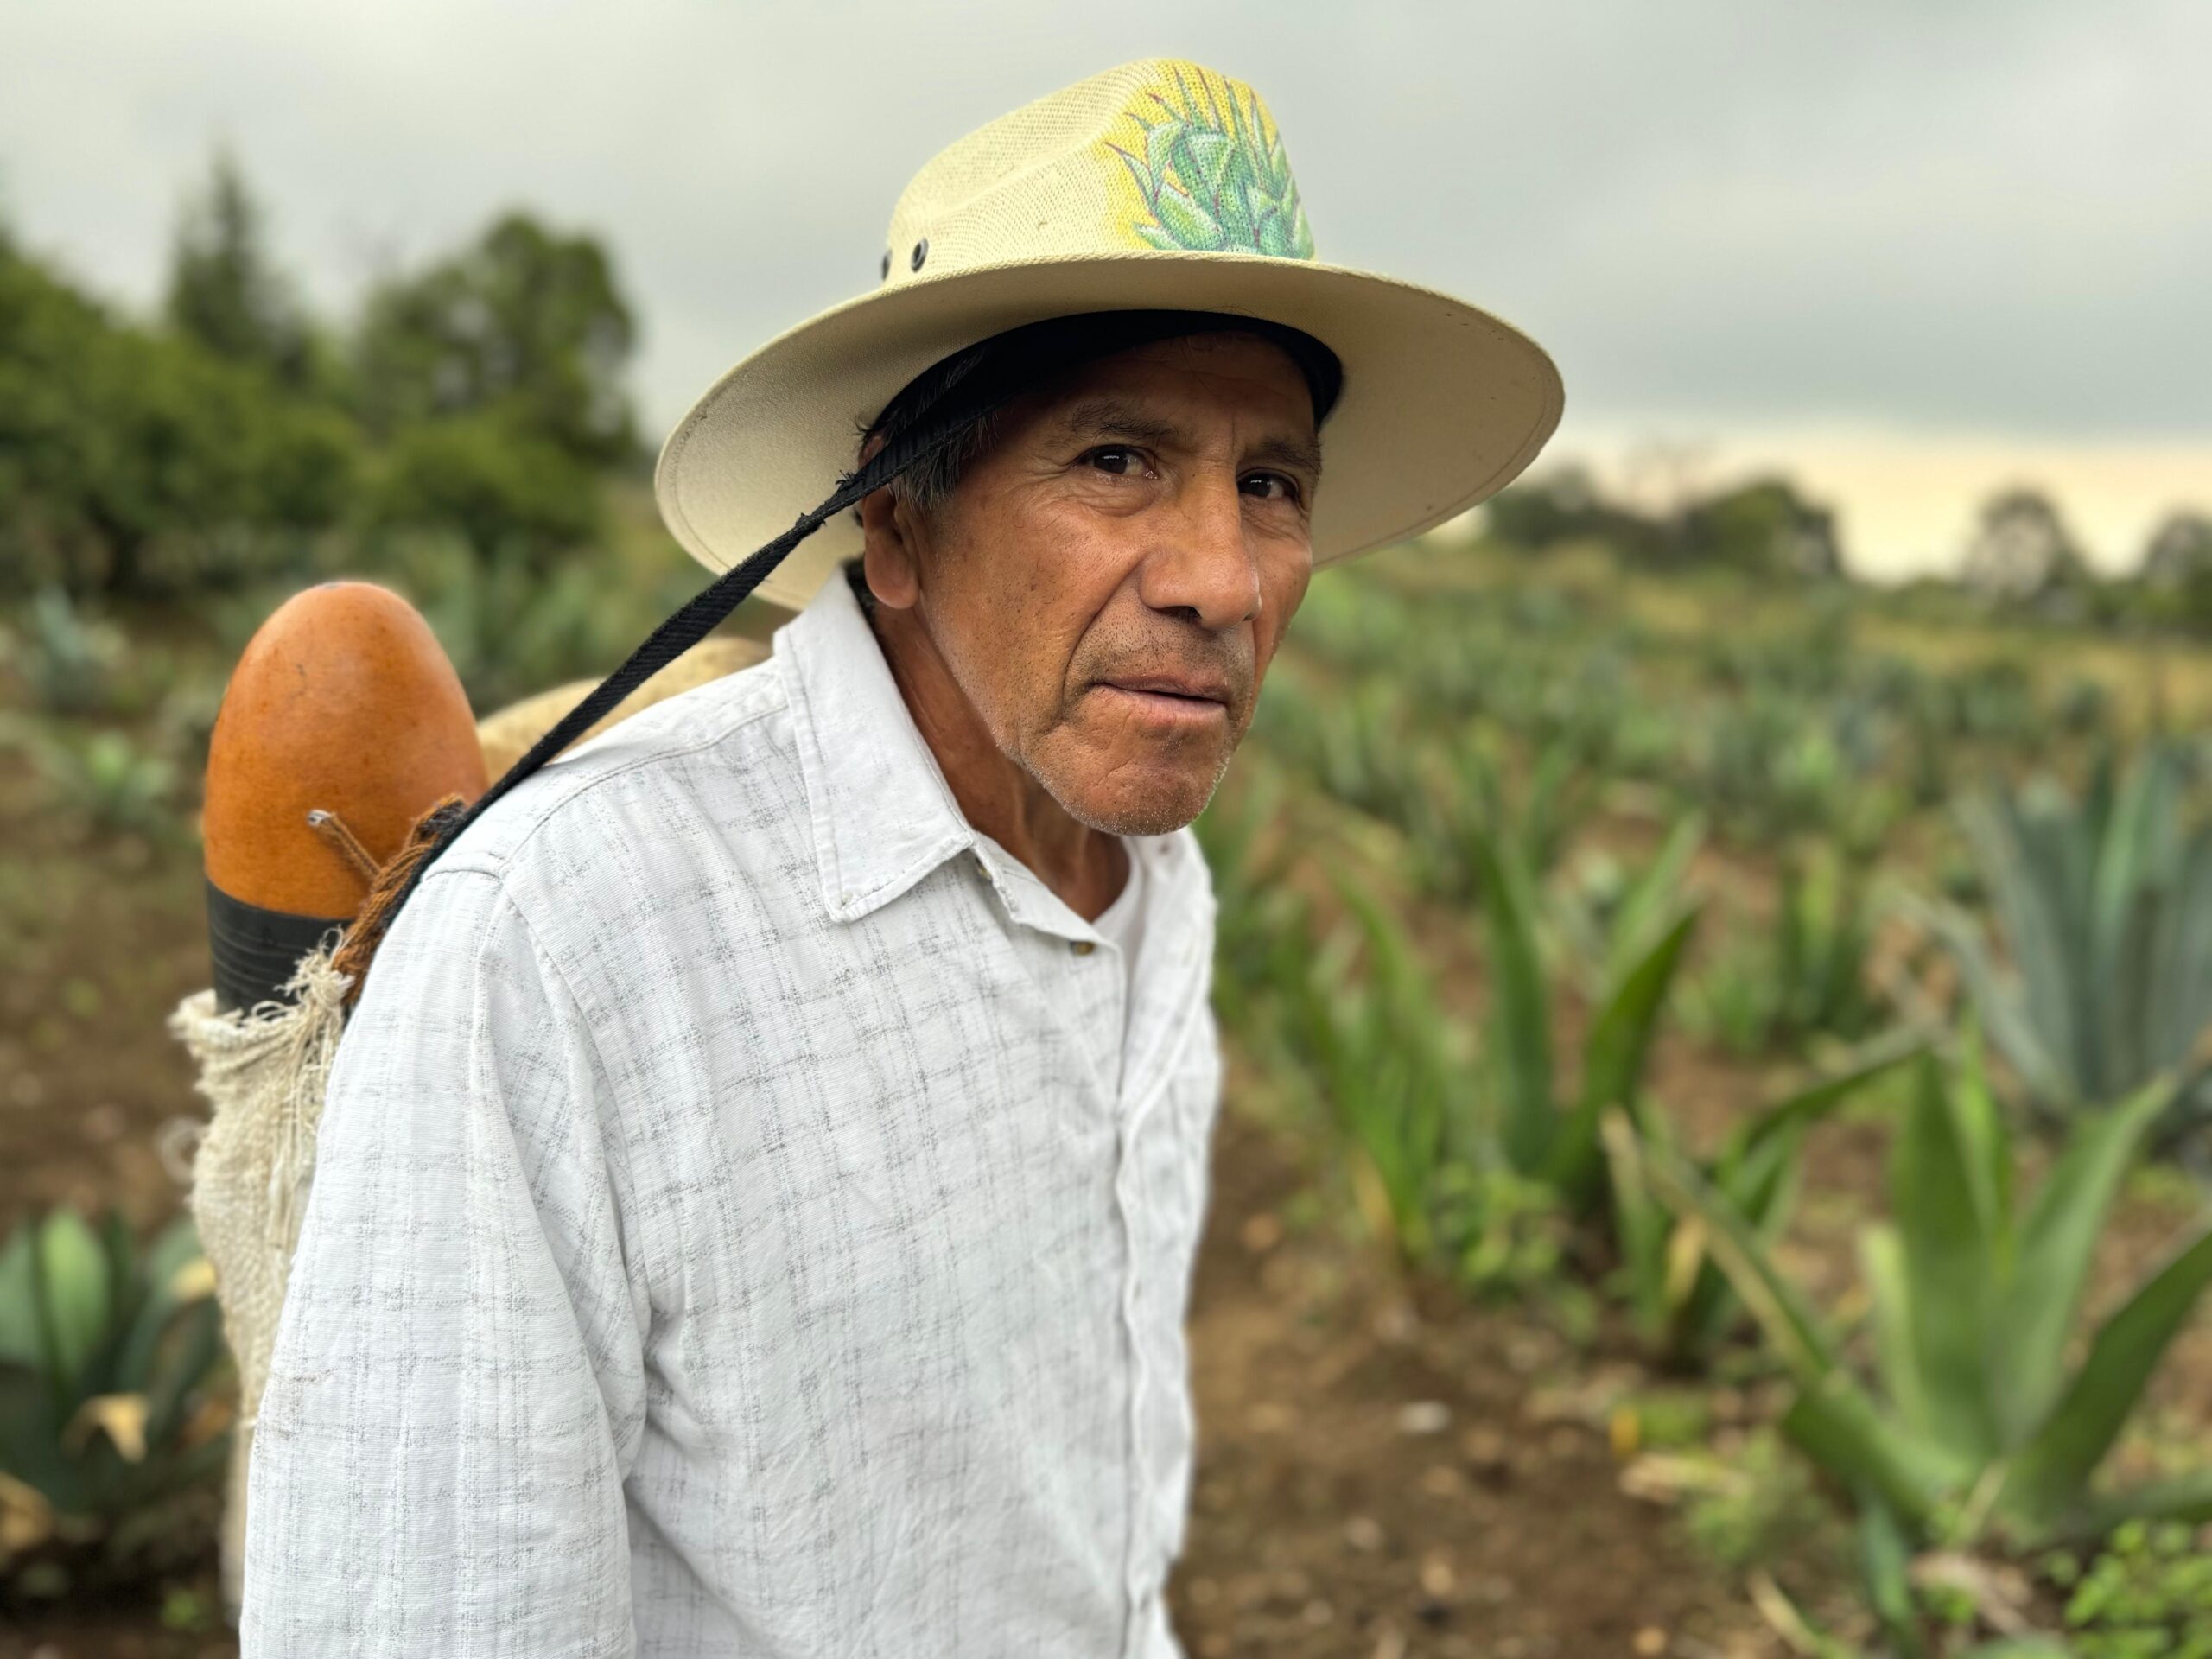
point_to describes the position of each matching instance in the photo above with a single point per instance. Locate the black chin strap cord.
(930, 413)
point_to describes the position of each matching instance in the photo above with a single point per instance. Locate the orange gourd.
(344, 703)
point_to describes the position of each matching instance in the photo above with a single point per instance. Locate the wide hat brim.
(1443, 404)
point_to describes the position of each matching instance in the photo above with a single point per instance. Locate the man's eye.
(1117, 459)
(1285, 488)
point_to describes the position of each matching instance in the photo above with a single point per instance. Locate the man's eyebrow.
(1300, 455)
(1112, 417)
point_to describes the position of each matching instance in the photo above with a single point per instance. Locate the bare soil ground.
(1385, 1471)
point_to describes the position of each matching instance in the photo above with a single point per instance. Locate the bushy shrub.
(510, 494)
(133, 460)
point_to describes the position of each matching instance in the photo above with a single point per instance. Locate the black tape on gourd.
(255, 951)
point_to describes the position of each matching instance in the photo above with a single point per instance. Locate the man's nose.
(1203, 566)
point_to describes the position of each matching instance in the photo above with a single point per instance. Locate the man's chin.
(1140, 802)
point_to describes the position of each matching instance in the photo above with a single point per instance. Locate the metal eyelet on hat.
(921, 253)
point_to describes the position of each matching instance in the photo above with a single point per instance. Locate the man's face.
(1109, 580)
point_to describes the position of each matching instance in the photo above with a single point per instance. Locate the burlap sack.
(263, 1074)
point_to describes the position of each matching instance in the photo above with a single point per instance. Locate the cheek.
(1282, 590)
(1030, 585)
(1082, 557)
(1071, 570)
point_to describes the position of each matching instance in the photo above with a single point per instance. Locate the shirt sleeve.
(456, 1391)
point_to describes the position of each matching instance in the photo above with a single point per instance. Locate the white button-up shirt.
(753, 1216)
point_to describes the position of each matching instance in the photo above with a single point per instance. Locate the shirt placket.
(1172, 957)
(1098, 984)
(1137, 1565)
(1103, 981)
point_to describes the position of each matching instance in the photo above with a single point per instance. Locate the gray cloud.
(1990, 214)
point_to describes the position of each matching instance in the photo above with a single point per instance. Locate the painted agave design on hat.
(1211, 171)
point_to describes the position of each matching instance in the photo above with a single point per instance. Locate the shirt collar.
(883, 815)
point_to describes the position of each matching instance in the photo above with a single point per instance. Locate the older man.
(758, 1186)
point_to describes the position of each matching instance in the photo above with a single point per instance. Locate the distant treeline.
(479, 395)
(2022, 552)
(1763, 528)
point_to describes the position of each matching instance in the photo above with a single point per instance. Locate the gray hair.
(928, 485)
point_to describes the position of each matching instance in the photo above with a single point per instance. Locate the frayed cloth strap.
(263, 1072)
(930, 412)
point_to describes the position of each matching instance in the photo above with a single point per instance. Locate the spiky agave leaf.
(1520, 1047)
(2050, 1475)
(2055, 1248)
(1613, 1058)
(1946, 1254)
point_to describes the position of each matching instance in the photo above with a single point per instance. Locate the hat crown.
(1161, 154)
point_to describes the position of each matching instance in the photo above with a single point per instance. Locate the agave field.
(1716, 1160)
(1765, 1022)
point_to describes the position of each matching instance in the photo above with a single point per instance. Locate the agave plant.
(1356, 745)
(1611, 913)
(110, 1422)
(1806, 976)
(1975, 1423)
(1538, 820)
(70, 660)
(1390, 1063)
(101, 776)
(1681, 1303)
(2104, 905)
(1214, 177)
(1541, 1135)
(1259, 943)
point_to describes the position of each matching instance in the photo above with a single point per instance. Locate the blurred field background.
(1716, 946)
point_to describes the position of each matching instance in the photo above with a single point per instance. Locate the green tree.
(2022, 550)
(222, 291)
(2175, 584)
(525, 324)
(2179, 553)
(1564, 504)
(1765, 528)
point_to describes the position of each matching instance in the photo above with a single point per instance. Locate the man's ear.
(888, 551)
(887, 555)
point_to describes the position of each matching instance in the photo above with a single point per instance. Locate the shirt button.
(1082, 947)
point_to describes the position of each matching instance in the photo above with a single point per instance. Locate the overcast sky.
(1990, 217)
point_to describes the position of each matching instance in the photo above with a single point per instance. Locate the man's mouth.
(1171, 699)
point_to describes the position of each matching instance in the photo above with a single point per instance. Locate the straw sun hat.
(1157, 185)
(1152, 192)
